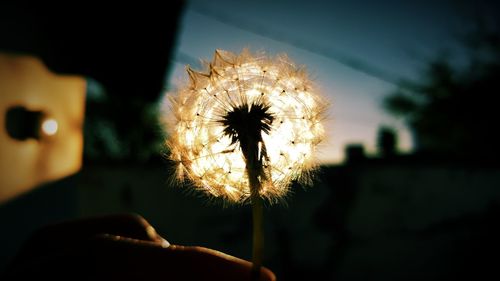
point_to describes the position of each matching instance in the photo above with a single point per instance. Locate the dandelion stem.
(253, 158)
(258, 234)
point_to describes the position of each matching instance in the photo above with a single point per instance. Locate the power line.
(334, 55)
(185, 59)
(339, 57)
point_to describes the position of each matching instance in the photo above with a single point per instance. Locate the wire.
(334, 55)
(186, 59)
(349, 61)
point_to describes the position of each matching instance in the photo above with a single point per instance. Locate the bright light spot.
(50, 127)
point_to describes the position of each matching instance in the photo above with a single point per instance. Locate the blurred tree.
(453, 112)
(118, 129)
(387, 141)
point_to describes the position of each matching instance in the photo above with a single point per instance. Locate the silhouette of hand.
(120, 247)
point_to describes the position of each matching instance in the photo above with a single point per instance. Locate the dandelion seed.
(241, 101)
(246, 129)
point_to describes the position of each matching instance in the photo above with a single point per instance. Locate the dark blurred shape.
(125, 47)
(410, 218)
(355, 153)
(22, 124)
(24, 214)
(120, 247)
(387, 142)
(453, 111)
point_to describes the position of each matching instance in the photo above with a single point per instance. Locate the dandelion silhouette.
(245, 129)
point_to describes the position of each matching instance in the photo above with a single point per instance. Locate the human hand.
(120, 247)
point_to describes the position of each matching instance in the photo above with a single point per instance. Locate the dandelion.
(245, 129)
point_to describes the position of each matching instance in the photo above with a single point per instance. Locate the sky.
(394, 37)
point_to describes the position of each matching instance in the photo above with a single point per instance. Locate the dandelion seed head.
(239, 97)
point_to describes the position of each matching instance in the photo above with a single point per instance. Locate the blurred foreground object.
(120, 247)
(44, 112)
(41, 117)
(126, 48)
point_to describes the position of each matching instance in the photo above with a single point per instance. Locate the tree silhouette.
(386, 142)
(453, 112)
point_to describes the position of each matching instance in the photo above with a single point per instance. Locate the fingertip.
(267, 275)
(229, 267)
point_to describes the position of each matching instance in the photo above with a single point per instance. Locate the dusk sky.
(394, 37)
